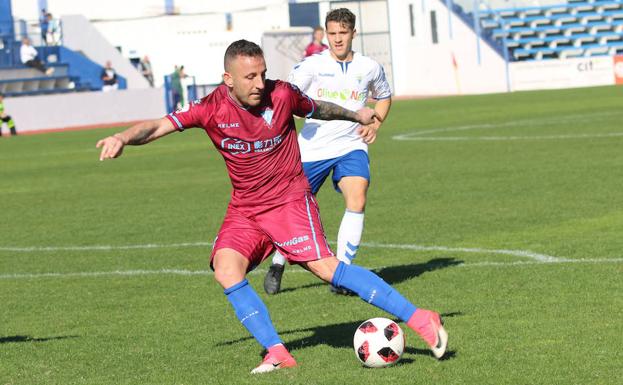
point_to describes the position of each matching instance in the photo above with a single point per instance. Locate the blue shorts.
(355, 163)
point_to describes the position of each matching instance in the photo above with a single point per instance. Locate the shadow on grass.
(397, 274)
(400, 273)
(10, 339)
(339, 336)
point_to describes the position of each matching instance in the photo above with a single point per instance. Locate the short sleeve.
(380, 88)
(301, 76)
(302, 105)
(188, 116)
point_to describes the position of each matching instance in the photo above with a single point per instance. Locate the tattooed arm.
(331, 111)
(141, 133)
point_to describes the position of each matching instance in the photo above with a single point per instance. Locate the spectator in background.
(316, 46)
(28, 55)
(44, 25)
(54, 31)
(4, 118)
(109, 78)
(184, 82)
(176, 87)
(145, 67)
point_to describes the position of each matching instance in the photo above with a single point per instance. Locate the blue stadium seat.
(577, 28)
(74, 72)
(35, 85)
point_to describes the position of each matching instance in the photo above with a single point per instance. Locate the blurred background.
(164, 53)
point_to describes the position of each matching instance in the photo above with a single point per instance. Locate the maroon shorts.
(294, 228)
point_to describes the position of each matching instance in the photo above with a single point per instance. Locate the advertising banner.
(563, 73)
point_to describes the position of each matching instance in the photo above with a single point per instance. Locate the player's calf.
(372, 289)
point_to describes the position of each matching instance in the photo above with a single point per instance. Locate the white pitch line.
(517, 253)
(181, 272)
(578, 118)
(103, 247)
(499, 138)
(593, 261)
(106, 273)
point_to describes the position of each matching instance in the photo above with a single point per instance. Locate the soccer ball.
(379, 342)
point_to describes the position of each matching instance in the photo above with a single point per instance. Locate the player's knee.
(356, 203)
(323, 268)
(230, 267)
(227, 278)
(228, 275)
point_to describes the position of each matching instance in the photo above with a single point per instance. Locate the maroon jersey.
(313, 48)
(259, 144)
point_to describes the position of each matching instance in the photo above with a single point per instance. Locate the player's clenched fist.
(111, 146)
(366, 115)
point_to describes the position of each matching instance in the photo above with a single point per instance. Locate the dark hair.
(342, 16)
(242, 48)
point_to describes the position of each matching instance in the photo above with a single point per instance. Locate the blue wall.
(6, 18)
(85, 69)
(6, 32)
(304, 15)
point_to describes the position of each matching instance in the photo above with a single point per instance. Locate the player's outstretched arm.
(141, 133)
(331, 111)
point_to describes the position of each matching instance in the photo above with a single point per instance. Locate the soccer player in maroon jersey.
(249, 120)
(316, 46)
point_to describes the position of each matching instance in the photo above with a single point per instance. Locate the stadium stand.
(74, 72)
(571, 29)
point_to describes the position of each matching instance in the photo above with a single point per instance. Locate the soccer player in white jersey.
(349, 79)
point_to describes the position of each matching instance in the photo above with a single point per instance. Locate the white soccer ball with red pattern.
(379, 342)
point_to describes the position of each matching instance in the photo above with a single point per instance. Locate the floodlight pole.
(450, 5)
(43, 4)
(169, 7)
(476, 15)
(506, 59)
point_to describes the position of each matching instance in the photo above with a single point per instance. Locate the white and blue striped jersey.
(348, 84)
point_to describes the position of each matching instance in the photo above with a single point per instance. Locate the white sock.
(349, 236)
(278, 259)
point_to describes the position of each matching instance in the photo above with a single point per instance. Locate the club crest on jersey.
(267, 114)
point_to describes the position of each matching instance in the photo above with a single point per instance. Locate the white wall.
(130, 9)
(197, 38)
(80, 35)
(63, 111)
(423, 68)
(196, 41)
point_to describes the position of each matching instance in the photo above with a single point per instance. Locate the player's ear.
(354, 33)
(228, 80)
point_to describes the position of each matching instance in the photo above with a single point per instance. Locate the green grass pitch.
(502, 212)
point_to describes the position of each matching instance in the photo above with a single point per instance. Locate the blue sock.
(372, 289)
(253, 314)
